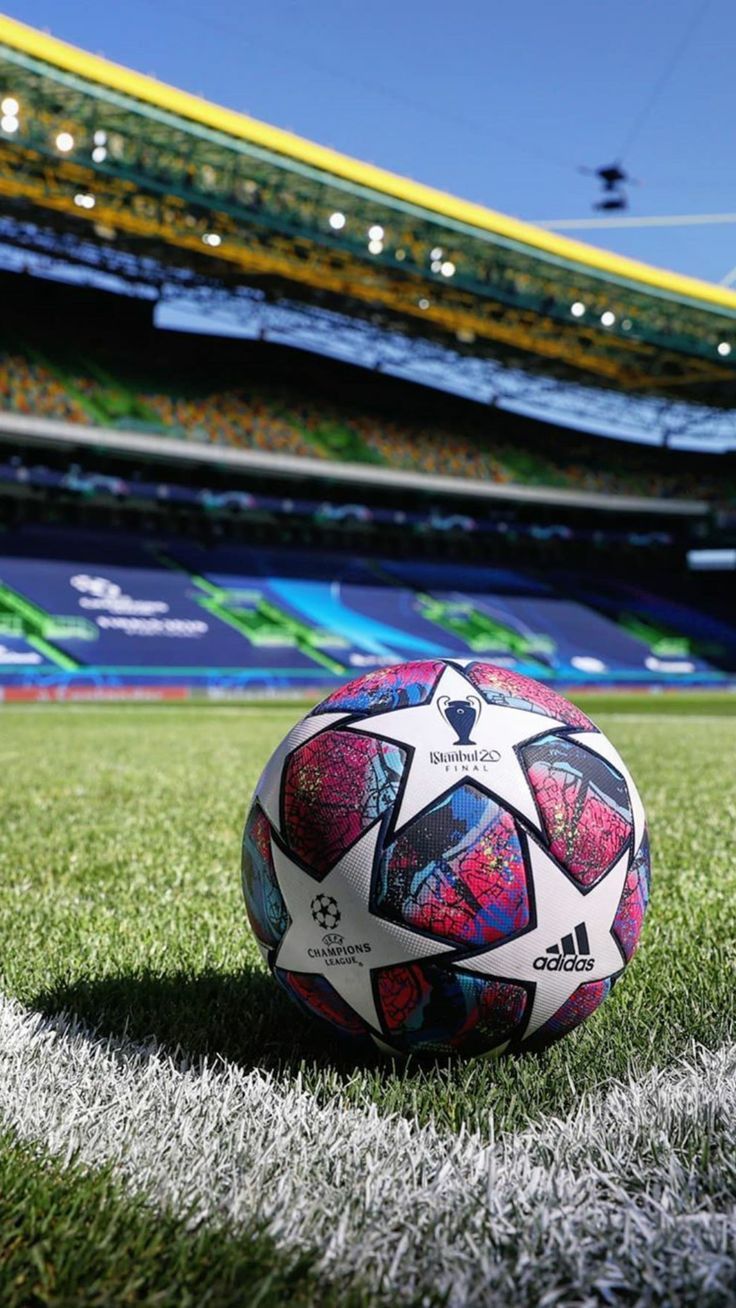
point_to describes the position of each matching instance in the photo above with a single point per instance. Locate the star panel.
(560, 907)
(363, 942)
(334, 787)
(457, 872)
(454, 737)
(584, 805)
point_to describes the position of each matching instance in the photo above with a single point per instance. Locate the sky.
(501, 103)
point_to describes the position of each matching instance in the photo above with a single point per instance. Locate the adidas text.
(560, 963)
(572, 954)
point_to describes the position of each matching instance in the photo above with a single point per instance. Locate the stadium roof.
(116, 170)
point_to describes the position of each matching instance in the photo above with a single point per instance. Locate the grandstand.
(266, 513)
(119, 372)
(271, 419)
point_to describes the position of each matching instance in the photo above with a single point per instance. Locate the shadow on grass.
(241, 1016)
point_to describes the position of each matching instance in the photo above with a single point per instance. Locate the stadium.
(273, 419)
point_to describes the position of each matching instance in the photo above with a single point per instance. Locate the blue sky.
(497, 102)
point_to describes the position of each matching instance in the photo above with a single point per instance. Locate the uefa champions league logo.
(334, 950)
(325, 912)
(461, 715)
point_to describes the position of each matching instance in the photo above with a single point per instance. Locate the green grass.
(698, 703)
(70, 1239)
(120, 901)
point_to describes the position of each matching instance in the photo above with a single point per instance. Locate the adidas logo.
(572, 954)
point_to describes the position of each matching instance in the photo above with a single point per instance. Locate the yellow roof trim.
(71, 59)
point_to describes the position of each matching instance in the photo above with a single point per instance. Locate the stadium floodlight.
(608, 318)
(9, 124)
(423, 304)
(337, 221)
(626, 324)
(65, 142)
(724, 349)
(10, 107)
(447, 268)
(435, 265)
(375, 233)
(400, 255)
(577, 309)
(375, 247)
(100, 138)
(212, 238)
(84, 200)
(99, 154)
(436, 253)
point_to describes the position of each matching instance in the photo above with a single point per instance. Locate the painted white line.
(633, 1195)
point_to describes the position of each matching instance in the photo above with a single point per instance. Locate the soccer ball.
(446, 856)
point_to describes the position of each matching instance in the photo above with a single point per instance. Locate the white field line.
(634, 1194)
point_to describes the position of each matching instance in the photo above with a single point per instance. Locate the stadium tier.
(82, 611)
(279, 420)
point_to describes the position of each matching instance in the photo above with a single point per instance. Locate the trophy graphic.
(461, 715)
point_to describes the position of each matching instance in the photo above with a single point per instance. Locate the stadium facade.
(186, 514)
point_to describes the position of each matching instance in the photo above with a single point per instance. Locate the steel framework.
(108, 170)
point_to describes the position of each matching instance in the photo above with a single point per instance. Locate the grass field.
(134, 1173)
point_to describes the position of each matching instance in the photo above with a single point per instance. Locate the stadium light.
(447, 268)
(99, 154)
(436, 253)
(724, 349)
(212, 238)
(9, 123)
(608, 318)
(100, 138)
(375, 233)
(65, 142)
(577, 309)
(10, 107)
(375, 247)
(84, 200)
(435, 265)
(626, 324)
(423, 304)
(337, 221)
(400, 255)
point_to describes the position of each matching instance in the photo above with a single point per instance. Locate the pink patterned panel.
(316, 994)
(575, 1010)
(514, 690)
(334, 787)
(457, 872)
(428, 1008)
(630, 916)
(584, 805)
(400, 686)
